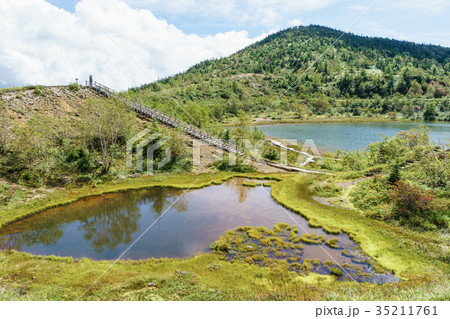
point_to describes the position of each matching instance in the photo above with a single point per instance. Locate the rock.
(183, 272)
(135, 175)
(121, 177)
(249, 247)
(151, 284)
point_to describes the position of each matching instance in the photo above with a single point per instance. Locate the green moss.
(393, 247)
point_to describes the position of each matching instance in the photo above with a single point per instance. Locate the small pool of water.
(103, 227)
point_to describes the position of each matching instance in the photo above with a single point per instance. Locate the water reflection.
(103, 227)
(104, 222)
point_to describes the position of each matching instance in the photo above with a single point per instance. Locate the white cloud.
(42, 44)
(294, 23)
(429, 6)
(266, 13)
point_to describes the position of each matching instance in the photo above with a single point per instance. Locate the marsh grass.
(417, 257)
(332, 242)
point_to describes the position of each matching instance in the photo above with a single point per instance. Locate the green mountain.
(316, 75)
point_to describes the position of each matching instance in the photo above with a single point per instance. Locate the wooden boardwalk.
(164, 118)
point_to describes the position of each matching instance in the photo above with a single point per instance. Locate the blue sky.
(414, 20)
(126, 43)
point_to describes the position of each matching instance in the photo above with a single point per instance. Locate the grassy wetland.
(416, 258)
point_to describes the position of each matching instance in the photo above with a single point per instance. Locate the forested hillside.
(357, 76)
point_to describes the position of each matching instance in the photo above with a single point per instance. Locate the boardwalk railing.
(162, 117)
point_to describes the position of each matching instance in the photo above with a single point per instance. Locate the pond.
(350, 136)
(184, 223)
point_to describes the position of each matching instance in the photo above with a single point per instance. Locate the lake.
(184, 224)
(350, 136)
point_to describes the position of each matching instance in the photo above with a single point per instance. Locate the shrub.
(38, 89)
(394, 175)
(430, 113)
(325, 189)
(371, 194)
(271, 154)
(82, 179)
(416, 208)
(31, 179)
(74, 87)
(224, 165)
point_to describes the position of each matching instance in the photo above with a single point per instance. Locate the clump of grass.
(312, 239)
(314, 224)
(214, 266)
(332, 242)
(308, 264)
(249, 260)
(251, 184)
(347, 253)
(254, 233)
(336, 271)
(293, 235)
(331, 230)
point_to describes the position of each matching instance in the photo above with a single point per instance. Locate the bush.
(418, 208)
(224, 165)
(325, 189)
(430, 113)
(394, 175)
(74, 87)
(31, 179)
(372, 196)
(271, 154)
(38, 89)
(81, 160)
(83, 179)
